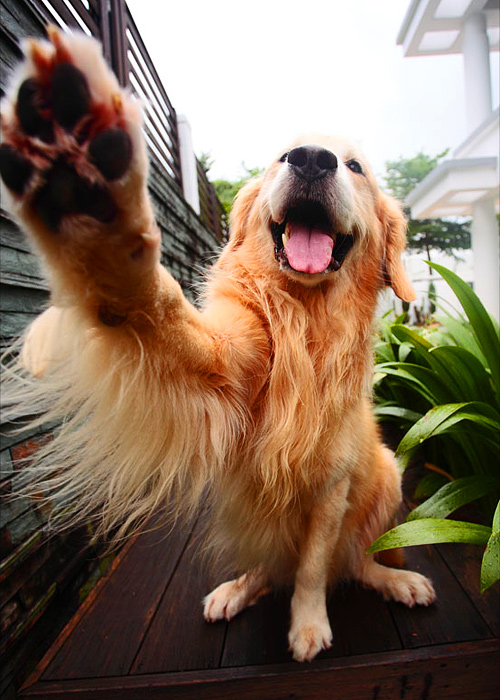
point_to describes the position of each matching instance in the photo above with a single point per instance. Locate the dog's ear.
(241, 209)
(394, 230)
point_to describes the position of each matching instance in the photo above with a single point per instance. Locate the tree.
(449, 234)
(227, 189)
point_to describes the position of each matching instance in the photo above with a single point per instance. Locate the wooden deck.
(141, 635)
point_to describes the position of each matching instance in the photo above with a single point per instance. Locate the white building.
(467, 182)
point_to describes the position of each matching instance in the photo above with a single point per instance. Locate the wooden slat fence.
(211, 210)
(43, 577)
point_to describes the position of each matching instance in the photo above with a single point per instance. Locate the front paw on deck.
(73, 157)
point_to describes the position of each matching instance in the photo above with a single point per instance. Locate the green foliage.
(228, 189)
(403, 175)
(447, 235)
(491, 559)
(206, 161)
(441, 385)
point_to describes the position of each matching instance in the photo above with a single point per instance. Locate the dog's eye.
(355, 166)
(283, 157)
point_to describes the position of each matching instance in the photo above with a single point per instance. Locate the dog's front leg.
(74, 163)
(310, 630)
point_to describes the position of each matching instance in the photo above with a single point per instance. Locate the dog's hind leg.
(406, 587)
(231, 597)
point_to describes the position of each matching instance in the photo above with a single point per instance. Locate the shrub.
(441, 384)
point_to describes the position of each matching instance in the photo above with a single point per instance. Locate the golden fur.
(262, 396)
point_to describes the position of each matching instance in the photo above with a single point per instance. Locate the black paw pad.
(28, 109)
(96, 201)
(58, 196)
(65, 192)
(15, 169)
(111, 152)
(70, 95)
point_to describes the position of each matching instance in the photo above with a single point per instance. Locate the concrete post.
(476, 53)
(486, 251)
(188, 163)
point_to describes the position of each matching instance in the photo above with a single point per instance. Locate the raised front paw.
(68, 131)
(73, 157)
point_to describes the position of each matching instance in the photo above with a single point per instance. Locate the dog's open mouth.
(306, 241)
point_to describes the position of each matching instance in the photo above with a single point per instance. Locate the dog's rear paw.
(70, 134)
(231, 597)
(410, 588)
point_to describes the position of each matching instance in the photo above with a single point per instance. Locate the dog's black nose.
(312, 162)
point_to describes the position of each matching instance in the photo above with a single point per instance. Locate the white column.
(188, 163)
(476, 52)
(486, 250)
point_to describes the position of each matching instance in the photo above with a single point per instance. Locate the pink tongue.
(308, 249)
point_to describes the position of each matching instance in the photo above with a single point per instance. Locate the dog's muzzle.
(310, 239)
(312, 163)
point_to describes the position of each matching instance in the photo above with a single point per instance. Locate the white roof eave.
(421, 19)
(450, 178)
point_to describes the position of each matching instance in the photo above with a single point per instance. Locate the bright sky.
(250, 76)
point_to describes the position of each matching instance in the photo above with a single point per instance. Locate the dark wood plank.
(179, 638)
(452, 618)
(258, 635)
(360, 620)
(465, 563)
(106, 639)
(451, 672)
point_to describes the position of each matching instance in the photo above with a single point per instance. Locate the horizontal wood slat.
(452, 672)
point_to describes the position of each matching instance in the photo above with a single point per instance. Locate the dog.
(260, 400)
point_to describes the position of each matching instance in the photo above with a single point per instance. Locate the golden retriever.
(262, 396)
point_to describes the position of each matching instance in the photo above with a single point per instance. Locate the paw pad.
(70, 95)
(111, 152)
(15, 169)
(83, 146)
(29, 109)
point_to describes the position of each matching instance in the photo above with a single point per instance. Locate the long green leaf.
(454, 365)
(469, 374)
(428, 384)
(431, 531)
(454, 495)
(483, 326)
(441, 418)
(397, 412)
(476, 421)
(408, 335)
(461, 333)
(383, 352)
(491, 558)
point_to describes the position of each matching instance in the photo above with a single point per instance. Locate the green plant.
(442, 386)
